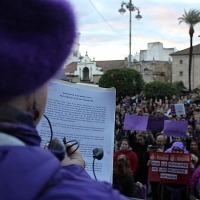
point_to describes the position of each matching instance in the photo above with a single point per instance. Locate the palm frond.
(191, 17)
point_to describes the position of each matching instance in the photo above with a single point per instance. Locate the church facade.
(155, 63)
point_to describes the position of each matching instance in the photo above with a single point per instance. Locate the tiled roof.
(105, 65)
(196, 51)
(71, 68)
(111, 64)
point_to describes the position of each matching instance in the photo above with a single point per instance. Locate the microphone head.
(98, 153)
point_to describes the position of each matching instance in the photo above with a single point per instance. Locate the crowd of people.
(36, 38)
(142, 143)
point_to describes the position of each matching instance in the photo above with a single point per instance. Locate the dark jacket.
(126, 185)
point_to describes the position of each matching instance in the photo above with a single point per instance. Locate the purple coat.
(34, 173)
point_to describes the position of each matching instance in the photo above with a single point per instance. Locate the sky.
(104, 32)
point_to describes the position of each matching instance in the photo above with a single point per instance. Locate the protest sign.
(177, 109)
(156, 124)
(133, 122)
(175, 128)
(169, 167)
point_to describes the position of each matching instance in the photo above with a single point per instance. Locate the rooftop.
(105, 65)
(196, 51)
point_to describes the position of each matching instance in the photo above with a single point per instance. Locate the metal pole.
(129, 63)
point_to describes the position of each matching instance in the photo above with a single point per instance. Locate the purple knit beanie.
(36, 37)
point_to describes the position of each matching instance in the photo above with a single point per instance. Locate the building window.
(181, 73)
(181, 61)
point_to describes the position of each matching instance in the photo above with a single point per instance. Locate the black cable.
(93, 169)
(51, 130)
(105, 19)
(74, 142)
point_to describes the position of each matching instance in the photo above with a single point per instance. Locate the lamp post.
(131, 8)
(143, 64)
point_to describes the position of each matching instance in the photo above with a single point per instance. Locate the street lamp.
(131, 8)
(143, 64)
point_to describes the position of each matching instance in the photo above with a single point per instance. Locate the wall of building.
(154, 70)
(156, 52)
(179, 67)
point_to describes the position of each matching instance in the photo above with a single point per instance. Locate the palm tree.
(191, 18)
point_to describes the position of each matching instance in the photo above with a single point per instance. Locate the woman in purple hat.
(36, 36)
(176, 191)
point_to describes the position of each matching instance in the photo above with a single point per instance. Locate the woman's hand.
(149, 148)
(149, 163)
(75, 158)
(139, 184)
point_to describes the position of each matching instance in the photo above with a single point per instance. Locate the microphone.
(97, 154)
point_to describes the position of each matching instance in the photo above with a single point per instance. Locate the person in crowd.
(144, 100)
(197, 101)
(174, 139)
(140, 112)
(134, 107)
(119, 132)
(184, 117)
(160, 142)
(122, 113)
(137, 99)
(160, 147)
(176, 191)
(177, 147)
(126, 150)
(181, 99)
(139, 144)
(36, 38)
(191, 109)
(118, 135)
(197, 131)
(123, 179)
(164, 108)
(195, 160)
(117, 109)
(158, 113)
(195, 185)
(170, 117)
(194, 149)
(127, 101)
(117, 119)
(190, 131)
(128, 110)
(173, 100)
(158, 101)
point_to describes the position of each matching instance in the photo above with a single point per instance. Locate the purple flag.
(175, 128)
(134, 122)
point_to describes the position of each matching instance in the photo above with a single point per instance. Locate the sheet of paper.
(86, 114)
(177, 109)
(156, 123)
(134, 122)
(175, 128)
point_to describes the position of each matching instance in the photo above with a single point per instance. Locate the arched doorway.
(85, 74)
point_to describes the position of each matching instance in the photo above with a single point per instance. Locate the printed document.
(86, 114)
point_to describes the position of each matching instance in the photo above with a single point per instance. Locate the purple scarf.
(19, 124)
